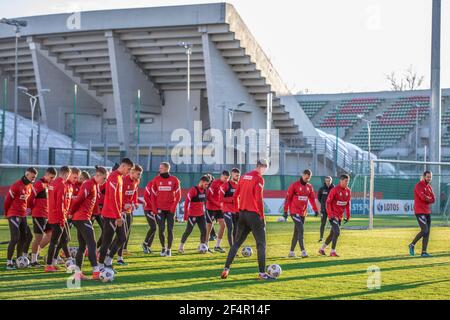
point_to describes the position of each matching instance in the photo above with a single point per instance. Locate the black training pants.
(334, 232)
(86, 238)
(231, 221)
(201, 222)
(161, 219)
(151, 220)
(110, 229)
(424, 221)
(299, 231)
(250, 222)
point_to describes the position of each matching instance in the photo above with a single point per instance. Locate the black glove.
(316, 213)
(285, 215)
(345, 220)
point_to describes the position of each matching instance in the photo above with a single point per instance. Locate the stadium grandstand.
(400, 120)
(118, 81)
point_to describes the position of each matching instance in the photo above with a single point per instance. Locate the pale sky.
(325, 46)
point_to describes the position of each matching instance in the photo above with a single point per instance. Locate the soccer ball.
(22, 262)
(247, 251)
(73, 251)
(70, 265)
(202, 248)
(281, 219)
(274, 270)
(106, 275)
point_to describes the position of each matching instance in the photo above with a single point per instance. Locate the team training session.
(227, 159)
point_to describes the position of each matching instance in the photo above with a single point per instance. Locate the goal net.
(383, 191)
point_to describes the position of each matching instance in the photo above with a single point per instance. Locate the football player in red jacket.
(112, 214)
(73, 187)
(230, 206)
(166, 194)
(58, 193)
(194, 212)
(151, 219)
(15, 207)
(214, 206)
(423, 198)
(38, 205)
(249, 195)
(338, 202)
(130, 203)
(298, 195)
(80, 213)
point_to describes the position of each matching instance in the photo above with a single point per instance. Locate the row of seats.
(395, 123)
(348, 111)
(311, 108)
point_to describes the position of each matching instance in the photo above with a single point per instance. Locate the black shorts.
(212, 215)
(40, 225)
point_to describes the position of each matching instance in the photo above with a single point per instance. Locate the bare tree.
(409, 81)
(412, 79)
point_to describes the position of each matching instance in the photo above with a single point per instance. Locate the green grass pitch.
(194, 276)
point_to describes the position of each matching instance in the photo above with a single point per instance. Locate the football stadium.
(156, 153)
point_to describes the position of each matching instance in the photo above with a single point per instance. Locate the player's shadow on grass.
(384, 289)
(340, 262)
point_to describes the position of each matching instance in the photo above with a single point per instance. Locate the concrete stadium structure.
(110, 55)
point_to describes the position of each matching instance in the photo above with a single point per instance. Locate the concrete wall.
(60, 100)
(225, 88)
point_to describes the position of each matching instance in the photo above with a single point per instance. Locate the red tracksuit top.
(130, 193)
(58, 193)
(214, 196)
(83, 205)
(297, 198)
(249, 193)
(38, 200)
(148, 197)
(112, 206)
(194, 204)
(229, 204)
(100, 200)
(166, 193)
(16, 199)
(338, 201)
(76, 188)
(423, 198)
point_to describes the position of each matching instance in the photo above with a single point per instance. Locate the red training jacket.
(423, 198)
(249, 193)
(16, 199)
(338, 201)
(214, 195)
(38, 200)
(166, 193)
(130, 193)
(229, 203)
(112, 206)
(83, 205)
(297, 198)
(194, 204)
(57, 201)
(100, 199)
(148, 197)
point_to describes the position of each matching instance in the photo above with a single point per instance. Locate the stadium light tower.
(188, 47)
(337, 142)
(17, 24)
(33, 101)
(435, 84)
(369, 132)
